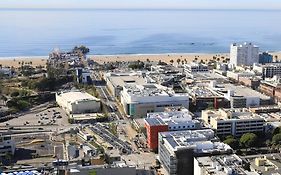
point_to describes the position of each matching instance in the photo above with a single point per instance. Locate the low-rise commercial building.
(236, 75)
(168, 121)
(220, 165)
(272, 87)
(203, 96)
(265, 165)
(76, 102)
(138, 100)
(83, 76)
(116, 81)
(234, 122)
(240, 96)
(195, 67)
(177, 149)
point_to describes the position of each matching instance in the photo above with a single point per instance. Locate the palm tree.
(178, 61)
(172, 61)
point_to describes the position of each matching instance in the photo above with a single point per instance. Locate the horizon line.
(142, 9)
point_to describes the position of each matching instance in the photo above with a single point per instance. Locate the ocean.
(108, 32)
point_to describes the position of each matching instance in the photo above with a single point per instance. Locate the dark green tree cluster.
(83, 49)
(137, 65)
(247, 140)
(18, 105)
(276, 136)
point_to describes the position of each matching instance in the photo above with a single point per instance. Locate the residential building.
(265, 57)
(138, 100)
(221, 165)
(168, 121)
(234, 122)
(244, 54)
(177, 149)
(7, 144)
(268, 70)
(76, 102)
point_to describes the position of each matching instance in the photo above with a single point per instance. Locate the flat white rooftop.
(73, 96)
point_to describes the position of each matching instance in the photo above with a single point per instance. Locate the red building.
(153, 127)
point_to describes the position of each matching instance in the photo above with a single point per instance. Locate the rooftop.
(234, 114)
(201, 141)
(221, 165)
(74, 96)
(239, 91)
(150, 90)
(175, 117)
(123, 79)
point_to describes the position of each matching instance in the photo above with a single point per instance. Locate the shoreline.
(165, 57)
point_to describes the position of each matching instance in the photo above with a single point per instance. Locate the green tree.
(233, 143)
(82, 49)
(276, 139)
(248, 140)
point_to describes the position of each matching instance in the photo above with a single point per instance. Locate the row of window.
(183, 127)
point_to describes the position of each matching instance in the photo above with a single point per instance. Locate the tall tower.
(244, 54)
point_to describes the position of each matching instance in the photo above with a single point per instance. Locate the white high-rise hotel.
(244, 54)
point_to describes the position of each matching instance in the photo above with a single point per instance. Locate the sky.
(154, 4)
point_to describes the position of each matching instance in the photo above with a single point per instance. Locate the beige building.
(234, 122)
(116, 81)
(76, 102)
(138, 100)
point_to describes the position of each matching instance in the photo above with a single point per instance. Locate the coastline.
(167, 57)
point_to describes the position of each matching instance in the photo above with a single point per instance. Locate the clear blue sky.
(188, 4)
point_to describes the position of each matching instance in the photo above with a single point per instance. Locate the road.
(106, 97)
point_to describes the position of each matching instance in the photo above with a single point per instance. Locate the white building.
(176, 120)
(234, 122)
(220, 165)
(83, 76)
(241, 96)
(177, 149)
(195, 67)
(244, 54)
(138, 100)
(7, 145)
(76, 102)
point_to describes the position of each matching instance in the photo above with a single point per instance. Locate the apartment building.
(234, 122)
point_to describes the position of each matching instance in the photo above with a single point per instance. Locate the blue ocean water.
(37, 32)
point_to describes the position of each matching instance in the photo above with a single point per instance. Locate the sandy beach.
(17, 61)
(189, 57)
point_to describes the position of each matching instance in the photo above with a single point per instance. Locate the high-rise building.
(244, 54)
